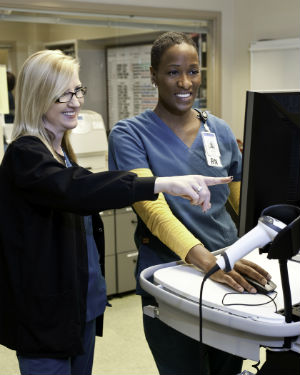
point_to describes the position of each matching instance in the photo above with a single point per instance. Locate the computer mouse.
(264, 289)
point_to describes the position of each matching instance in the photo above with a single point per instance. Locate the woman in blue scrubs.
(174, 138)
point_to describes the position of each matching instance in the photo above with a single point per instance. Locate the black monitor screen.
(271, 154)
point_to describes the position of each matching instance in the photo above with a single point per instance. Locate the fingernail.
(269, 277)
(241, 289)
(253, 290)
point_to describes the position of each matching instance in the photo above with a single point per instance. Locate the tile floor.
(123, 349)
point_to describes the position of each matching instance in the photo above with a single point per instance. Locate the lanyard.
(67, 160)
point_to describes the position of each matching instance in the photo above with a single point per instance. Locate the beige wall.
(59, 32)
(255, 20)
(29, 37)
(25, 38)
(243, 21)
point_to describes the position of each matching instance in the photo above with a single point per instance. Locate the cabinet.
(126, 251)
(108, 218)
(120, 250)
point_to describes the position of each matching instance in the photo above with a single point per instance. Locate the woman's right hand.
(205, 260)
(191, 187)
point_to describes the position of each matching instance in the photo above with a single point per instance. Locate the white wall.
(256, 20)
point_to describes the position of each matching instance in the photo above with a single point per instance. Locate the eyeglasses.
(68, 96)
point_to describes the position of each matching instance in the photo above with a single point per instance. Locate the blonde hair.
(44, 76)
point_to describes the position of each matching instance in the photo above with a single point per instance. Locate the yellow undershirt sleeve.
(234, 196)
(161, 222)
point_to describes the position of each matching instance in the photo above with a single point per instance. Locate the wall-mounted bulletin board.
(130, 90)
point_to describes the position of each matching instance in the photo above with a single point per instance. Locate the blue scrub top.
(145, 141)
(96, 297)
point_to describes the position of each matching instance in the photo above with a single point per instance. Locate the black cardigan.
(43, 255)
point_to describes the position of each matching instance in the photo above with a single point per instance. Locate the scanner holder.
(284, 246)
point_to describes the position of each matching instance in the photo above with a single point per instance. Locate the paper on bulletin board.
(4, 108)
(130, 90)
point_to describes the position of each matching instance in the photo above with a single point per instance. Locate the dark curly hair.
(165, 41)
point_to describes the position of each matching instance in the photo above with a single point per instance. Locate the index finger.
(217, 180)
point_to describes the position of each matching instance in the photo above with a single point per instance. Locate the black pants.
(177, 354)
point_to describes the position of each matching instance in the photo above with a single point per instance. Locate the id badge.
(211, 148)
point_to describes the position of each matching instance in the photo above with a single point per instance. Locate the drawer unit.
(120, 250)
(126, 251)
(110, 274)
(108, 218)
(126, 222)
(126, 263)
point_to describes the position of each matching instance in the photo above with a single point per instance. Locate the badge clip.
(203, 116)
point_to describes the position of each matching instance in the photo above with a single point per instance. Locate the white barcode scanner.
(264, 232)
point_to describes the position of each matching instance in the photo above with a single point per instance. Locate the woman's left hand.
(235, 277)
(252, 270)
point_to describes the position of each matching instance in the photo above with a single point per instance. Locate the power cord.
(271, 299)
(206, 276)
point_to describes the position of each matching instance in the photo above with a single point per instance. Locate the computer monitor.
(271, 154)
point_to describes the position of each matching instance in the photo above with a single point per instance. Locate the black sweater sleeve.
(44, 181)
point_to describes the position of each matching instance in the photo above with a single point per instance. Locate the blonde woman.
(52, 288)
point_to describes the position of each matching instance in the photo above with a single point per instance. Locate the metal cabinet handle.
(130, 255)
